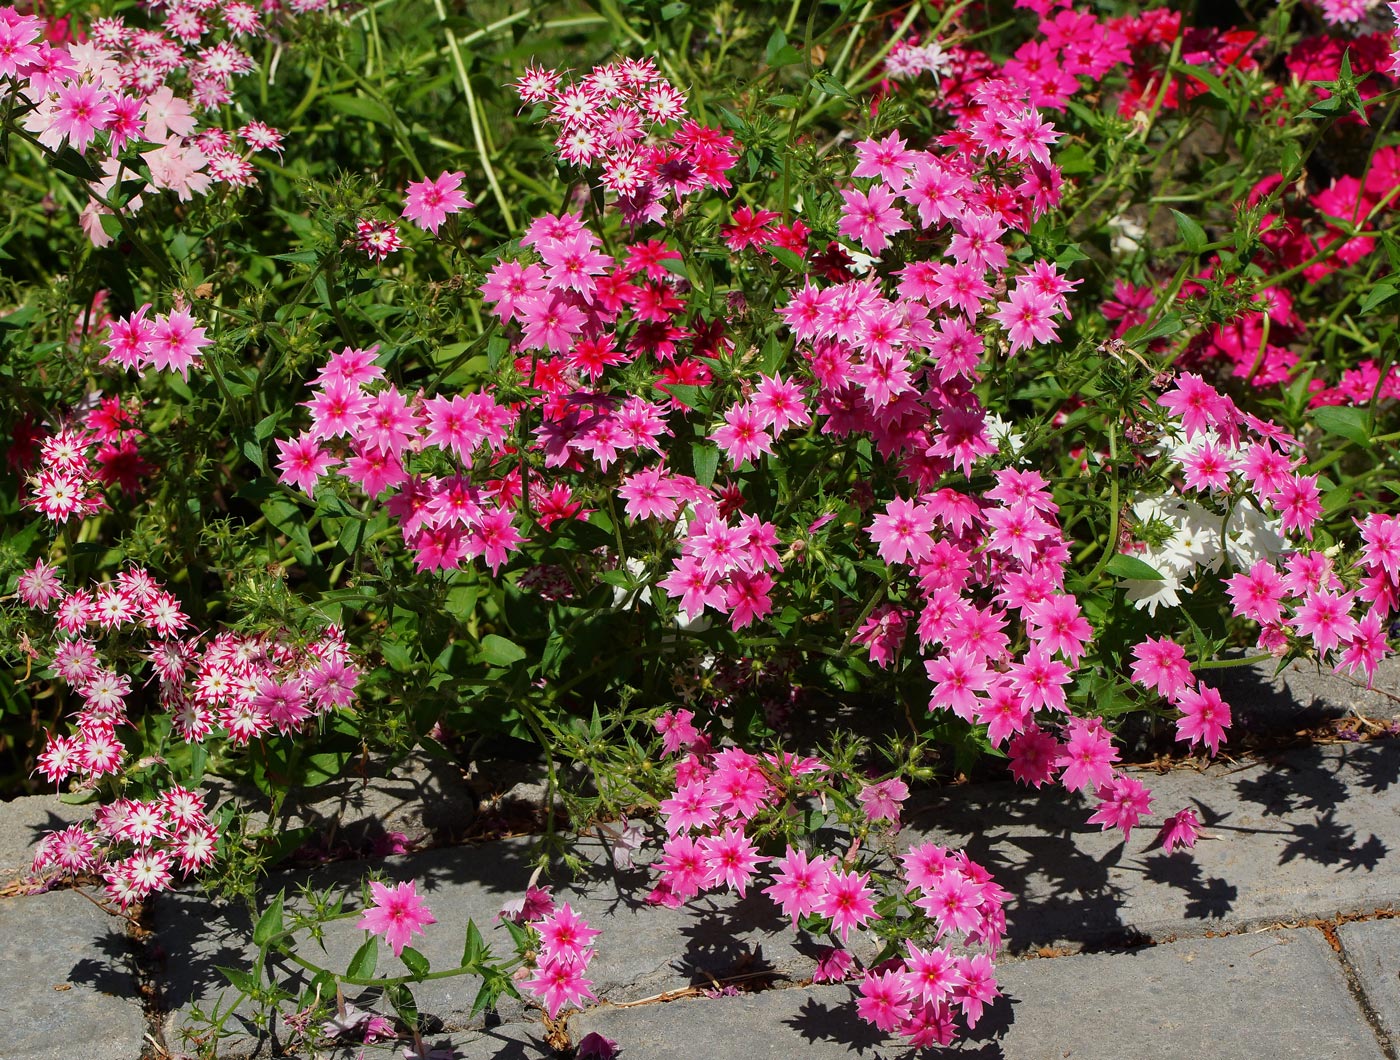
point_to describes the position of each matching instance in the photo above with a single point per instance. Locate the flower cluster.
(613, 118)
(944, 895)
(85, 455)
(443, 518)
(169, 342)
(135, 845)
(119, 87)
(240, 686)
(564, 952)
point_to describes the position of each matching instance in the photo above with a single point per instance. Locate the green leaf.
(401, 997)
(1131, 567)
(1376, 295)
(831, 86)
(475, 951)
(270, 923)
(71, 162)
(360, 107)
(414, 961)
(686, 394)
(299, 257)
(779, 52)
(498, 651)
(364, 962)
(1192, 234)
(706, 462)
(790, 258)
(240, 979)
(1347, 422)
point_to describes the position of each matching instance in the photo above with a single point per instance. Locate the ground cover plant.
(761, 410)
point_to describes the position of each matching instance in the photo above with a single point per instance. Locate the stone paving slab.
(1281, 995)
(651, 949)
(1372, 948)
(1267, 700)
(26, 820)
(66, 982)
(1315, 832)
(509, 1041)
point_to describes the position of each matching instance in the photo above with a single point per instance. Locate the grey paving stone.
(1265, 699)
(26, 820)
(67, 983)
(1280, 995)
(1314, 833)
(426, 800)
(509, 1041)
(1372, 947)
(643, 949)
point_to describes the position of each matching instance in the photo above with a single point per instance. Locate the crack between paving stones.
(141, 936)
(1358, 991)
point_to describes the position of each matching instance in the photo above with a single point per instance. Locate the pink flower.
(930, 974)
(82, 108)
(558, 983)
(904, 531)
(377, 239)
(175, 342)
(884, 1000)
(743, 437)
(1204, 717)
(1326, 617)
(1087, 757)
(1258, 594)
(302, 463)
(428, 202)
(1033, 756)
(397, 914)
(1197, 404)
(1122, 803)
(1027, 316)
(888, 159)
(1160, 663)
(833, 965)
(1180, 830)
(564, 936)
(799, 883)
(882, 801)
(730, 859)
(978, 987)
(871, 217)
(779, 404)
(848, 901)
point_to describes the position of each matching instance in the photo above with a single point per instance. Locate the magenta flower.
(1180, 830)
(1122, 803)
(882, 801)
(558, 983)
(397, 914)
(799, 883)
(884, 1000)
(1161, 663)
(1204, 717)
(428, 202)
(730, 859)
(1088, 758)
(848, 901)
(871, 217)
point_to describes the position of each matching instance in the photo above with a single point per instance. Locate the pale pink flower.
(397, 913)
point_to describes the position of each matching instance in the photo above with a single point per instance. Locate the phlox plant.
(982, 376)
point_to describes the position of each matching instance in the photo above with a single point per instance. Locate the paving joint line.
(1358, 990)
